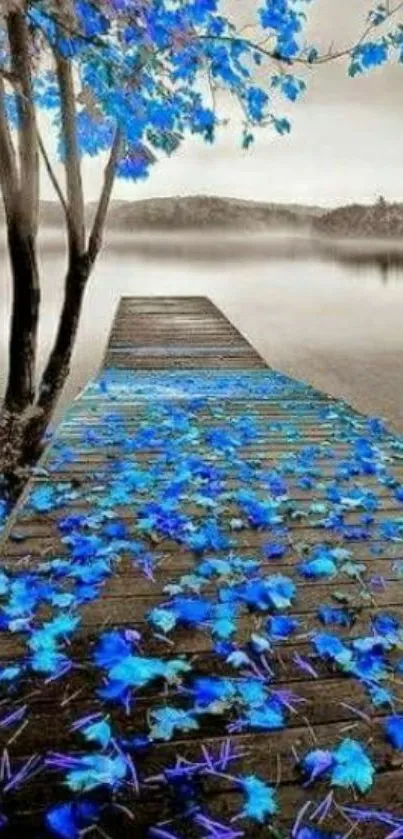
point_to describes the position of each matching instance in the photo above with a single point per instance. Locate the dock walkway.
(201, 590)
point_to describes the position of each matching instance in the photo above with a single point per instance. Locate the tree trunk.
(14, 468)
(22, 432)
(20, 392)
(35, 423)
(58, 366)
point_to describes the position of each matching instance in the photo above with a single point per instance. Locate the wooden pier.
(258, 466)
(175, 333)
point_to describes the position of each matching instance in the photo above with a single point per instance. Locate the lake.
(330, 313)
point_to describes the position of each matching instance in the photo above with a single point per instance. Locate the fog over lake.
(328, 313)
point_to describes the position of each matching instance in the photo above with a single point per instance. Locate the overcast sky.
(346, 143)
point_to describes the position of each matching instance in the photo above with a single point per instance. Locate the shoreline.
(216, 243)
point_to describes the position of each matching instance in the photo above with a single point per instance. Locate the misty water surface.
(331, 314)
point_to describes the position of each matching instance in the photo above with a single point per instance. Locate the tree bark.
(20, 392)
(9, 177)
(20, 187)
(72, 161)
(58, 366)
(23, 432)
(98, 227)
(21, 63)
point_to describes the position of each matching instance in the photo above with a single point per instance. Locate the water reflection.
(386, 257)
(326, 311)
(382, 258)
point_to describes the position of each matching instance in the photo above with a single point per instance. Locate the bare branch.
(75, 192)
(95, 240)
(52, 176)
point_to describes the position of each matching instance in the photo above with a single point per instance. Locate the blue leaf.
(112, 648)
(353, 767)
(281, 626)
(268, 717)
(98, 732)
(69, 820)
(315, 833)
(394, 731)
(163, 619)
(316, 764)
(42, 499)
(62, 821)
(260, 799)
(335, 615)
(330, 646)
(92, 771)
(165, 721)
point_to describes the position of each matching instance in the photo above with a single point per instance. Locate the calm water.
(329, 314)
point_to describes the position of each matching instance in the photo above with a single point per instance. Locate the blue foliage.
(169, 48)
(369, 55)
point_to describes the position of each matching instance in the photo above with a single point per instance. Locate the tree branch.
(95, 239)
(72, 162)
(9, 179)
(9, 77)
(20, 51)
(52, 177)
(321, 59)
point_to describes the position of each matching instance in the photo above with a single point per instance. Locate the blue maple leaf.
(316, 764)
(321, 566)
(260, 799)
(98, 731)
(394, 731)
(92, 771)
(70, 819)
(281, 626)
(352, 767)
(165, 721)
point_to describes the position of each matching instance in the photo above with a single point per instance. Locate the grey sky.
(345, 143)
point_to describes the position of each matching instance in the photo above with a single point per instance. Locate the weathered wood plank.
(300, 435)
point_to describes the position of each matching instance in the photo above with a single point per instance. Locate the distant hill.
(204, 212)
(380, 220)
(192, 212)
